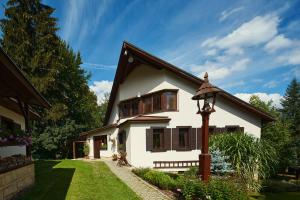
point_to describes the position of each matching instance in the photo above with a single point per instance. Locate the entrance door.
(97, 145)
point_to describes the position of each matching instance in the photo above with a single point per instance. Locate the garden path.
(139, 186)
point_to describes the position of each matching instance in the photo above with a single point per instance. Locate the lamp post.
(206, 92)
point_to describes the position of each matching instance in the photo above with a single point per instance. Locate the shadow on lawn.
(51, 183)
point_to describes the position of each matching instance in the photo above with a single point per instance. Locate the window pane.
(157, 102)
(125, 109)
(170, 98)
(103, 142)
(135, 107)
(157, 135)
(182, 136)
(148, 105)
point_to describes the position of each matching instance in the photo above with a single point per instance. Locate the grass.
(78, 180)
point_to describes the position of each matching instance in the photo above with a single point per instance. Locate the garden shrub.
(248, 156)
(141, 171)
(191, 173)
(160, 179)
(220, 189)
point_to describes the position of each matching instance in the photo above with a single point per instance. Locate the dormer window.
(161, 101)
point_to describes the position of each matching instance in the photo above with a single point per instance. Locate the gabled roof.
(13, 83)
(97, 130)
(140, 56)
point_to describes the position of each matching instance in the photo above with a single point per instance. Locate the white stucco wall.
(146, 79)
(111, 149)
(12, 150)
(226, 113)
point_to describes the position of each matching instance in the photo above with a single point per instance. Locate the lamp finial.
(206, 77)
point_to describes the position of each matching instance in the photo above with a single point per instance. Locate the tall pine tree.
(29, 37)
(291, 105)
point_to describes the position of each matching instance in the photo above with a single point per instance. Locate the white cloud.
(278, 42)
(100, 88)
(259, 30)
(217, 71)
(211, 52)
(225, 14)
(292, 57)
(98, 66)
(271, 84)
(233, 84)
(275, 97)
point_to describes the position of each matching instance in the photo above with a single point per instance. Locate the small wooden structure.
(75, 155)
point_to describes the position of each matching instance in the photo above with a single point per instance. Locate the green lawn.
(78, 180)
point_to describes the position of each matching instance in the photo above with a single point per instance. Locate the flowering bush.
(16, 136)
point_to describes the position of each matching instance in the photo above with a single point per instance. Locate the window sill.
(183, 149)
(158, 150)
(148, 113)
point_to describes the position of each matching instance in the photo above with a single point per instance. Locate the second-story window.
(157, 102)
(170, 100)
(135, 107)
(147, 104)
(164, 100)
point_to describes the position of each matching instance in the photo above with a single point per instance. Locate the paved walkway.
(140, 187)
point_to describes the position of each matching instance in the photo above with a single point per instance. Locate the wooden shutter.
(149, 139)
(167, 139)
(199, 138)
(193, 139)
(175, 138)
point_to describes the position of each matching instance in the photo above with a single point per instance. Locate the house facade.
(152, 117)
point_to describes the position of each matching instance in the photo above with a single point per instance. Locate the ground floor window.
(103, 142)
(158, 138)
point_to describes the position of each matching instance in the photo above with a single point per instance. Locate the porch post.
(74, 150)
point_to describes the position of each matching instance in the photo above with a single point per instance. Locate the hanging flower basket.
(16, 137)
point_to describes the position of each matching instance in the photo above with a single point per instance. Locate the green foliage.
(141, 171)
(291, 113)
(279, 135)
(219, 162)
(191, 173)
(55, 141)
(216, 189)
(191, 187)
(291, 105)
(247, 155)
(30, 39)
(264, 106)
(160, 179)
(86, 149)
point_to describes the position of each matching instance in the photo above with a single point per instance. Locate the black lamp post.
(206, 92)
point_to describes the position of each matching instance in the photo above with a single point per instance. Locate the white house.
(152, 117)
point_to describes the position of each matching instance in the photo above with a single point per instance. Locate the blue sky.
(246, 46)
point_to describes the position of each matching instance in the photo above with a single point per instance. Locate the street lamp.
(206, 92)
